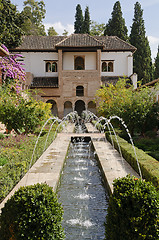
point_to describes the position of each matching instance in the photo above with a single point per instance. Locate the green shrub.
(33, 212)
(3, 160)
(2, 136)
(133, 211)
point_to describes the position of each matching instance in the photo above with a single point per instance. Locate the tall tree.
(97, 29)
(142, 57)
(116, 24)
(10, 22)
(86, 22)
(78, 24)
(156, 73)
(52, 32)
(34, 13)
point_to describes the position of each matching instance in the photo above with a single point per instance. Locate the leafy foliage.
(34, 13)
(52, 32)
(133, 210)
(97, 29)
(142, 57)
(11, 24)
(33, 212)
(136, 108)
(15, 154)
(22, 114)
(149, 144)
(116, 25)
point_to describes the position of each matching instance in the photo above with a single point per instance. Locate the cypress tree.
(156, 73)
(116, 24)
(142, 57)
(78, 24)
(86, 22)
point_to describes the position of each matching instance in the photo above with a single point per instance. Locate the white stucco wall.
(90, 60)
(123, 63)
(35, 63)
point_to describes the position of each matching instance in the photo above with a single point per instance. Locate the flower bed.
(15, 156)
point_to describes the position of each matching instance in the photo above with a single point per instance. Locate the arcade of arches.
(68, 107)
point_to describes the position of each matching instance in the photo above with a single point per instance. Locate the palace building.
(68, 70)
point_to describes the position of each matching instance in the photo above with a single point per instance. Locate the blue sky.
(61, 15)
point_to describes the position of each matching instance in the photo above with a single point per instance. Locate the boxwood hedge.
(133, 211)
(33, 212)
(149, 166)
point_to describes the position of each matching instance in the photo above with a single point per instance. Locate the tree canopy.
(156, 73)
(136, 108)
(86, 22)
(78, 24)
(142, 57)
(34, 13)
(116, 24)
(82, 24)
(10, 21)
(97, 29)
(52, 32)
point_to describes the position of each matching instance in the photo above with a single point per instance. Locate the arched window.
(110, 67)
(104, 67)
(79, 91)
(51, 66)
(79, 63)
(48, 67)
(54, 67)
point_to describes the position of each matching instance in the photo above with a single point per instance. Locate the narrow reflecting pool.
(82, 194)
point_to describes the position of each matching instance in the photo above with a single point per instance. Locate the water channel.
(82, 193)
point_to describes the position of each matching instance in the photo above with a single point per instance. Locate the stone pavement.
(49, 166)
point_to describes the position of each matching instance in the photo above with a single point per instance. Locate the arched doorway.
(80, 107)
(54, 107)
(92, 107)
(67, 108)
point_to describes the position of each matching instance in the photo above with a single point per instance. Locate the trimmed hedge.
(33, 212)
(133, 211)
(149, 166)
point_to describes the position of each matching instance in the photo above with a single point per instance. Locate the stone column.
(134, 80)
(98, 61)
(60, 84)
(130, 65)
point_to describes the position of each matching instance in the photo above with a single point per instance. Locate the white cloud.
(59, 27)
(154, 42)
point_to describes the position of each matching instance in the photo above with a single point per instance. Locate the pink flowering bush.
(23, 114)
(12, 71)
